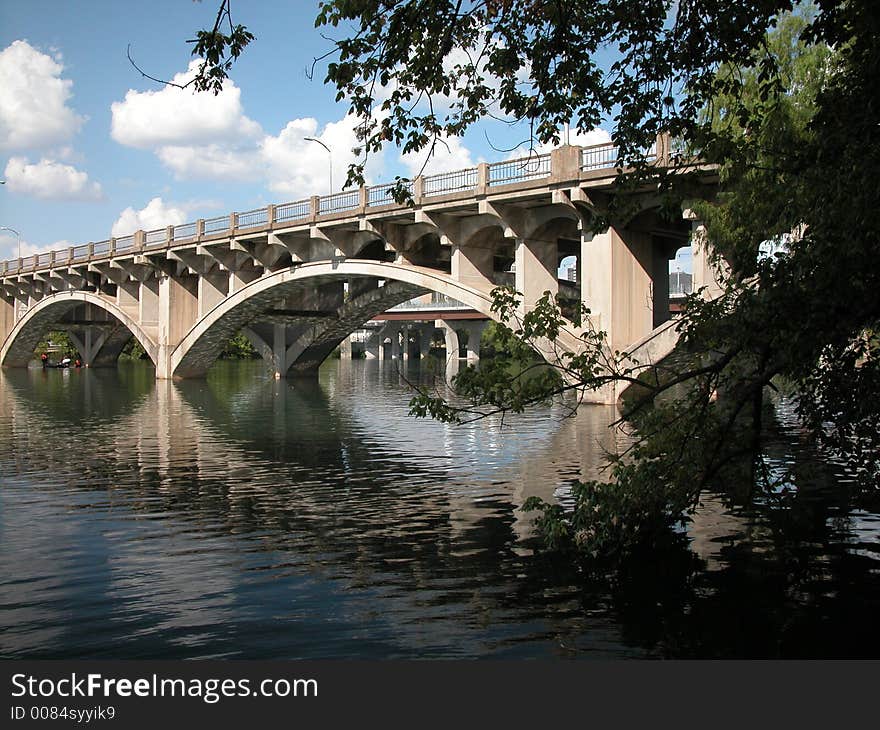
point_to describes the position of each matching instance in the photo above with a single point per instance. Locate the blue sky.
(89, 148)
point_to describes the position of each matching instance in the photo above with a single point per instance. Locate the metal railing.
(220, 224)
(510, 171)
(292, 211)
(185, 231)
(155, 239)
(81, 253)
(450, 182)
(599, 157)
(253, 218)
(101, 248)
(437, 301)
(338, 202)
(382, 194)
(126, 243)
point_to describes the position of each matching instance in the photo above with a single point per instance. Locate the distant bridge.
(298, 278)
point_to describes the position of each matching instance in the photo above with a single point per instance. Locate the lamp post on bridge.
(329, 156)
(12, 230)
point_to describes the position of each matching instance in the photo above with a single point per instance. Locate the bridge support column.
(149, 303)
(178, 311)
(536, 267)
(128, 296)
(474, 329)
(89, 344)
(7, 316)
(704, 273)
(450, 337)
(427, 337)
(473, 265)
(213, 288)
(617, 284)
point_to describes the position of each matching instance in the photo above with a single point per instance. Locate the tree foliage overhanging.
(784, 97)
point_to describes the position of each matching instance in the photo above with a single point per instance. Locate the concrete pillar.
(617, 284)
(394, 333)
(450, 337)
(380, 337)
(345, 348)
(373, 345)
(241, 278)
(427, 336)
(213, 288)
(536, 267)
(474, 329)
(404, 344)
(473, 265)
(89, 344)
(279, 350)
(178, 312)
(148, 300)
(704, 273)
(7, 317)
(128, 296)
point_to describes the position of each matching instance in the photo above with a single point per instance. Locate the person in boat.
(77, 363)
(44, 358)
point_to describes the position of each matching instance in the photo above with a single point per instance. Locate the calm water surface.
(243, 517)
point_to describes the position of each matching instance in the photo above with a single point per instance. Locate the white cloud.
(212, 162)
(9, 246)
(296, 167)
(584, 139)
(50, 180)
(33, 100)
(449, 154)
(181, 117)
(156, 214)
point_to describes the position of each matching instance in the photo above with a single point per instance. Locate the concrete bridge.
(298, 278)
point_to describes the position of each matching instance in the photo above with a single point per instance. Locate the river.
(244, 517)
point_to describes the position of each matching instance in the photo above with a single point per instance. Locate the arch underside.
(75, 312)
(318, 331)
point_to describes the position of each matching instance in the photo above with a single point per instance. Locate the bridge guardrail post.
(363, 199)
(565, 164)
(111, 246)
(169, 236)
(270, 215)
(418, 189)
(233, 222)
(482, 178)
(314, 207)
(200, 228)
(139, 238)
(91, 250)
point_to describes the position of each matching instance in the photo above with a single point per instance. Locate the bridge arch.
(201, 346)
(19, 345)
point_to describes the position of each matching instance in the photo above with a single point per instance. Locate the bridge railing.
(220, 224)
(534, 167)
(156, 239)
(510, 171)
(185, 231)
(292, 211)
(339, 202)
(253, 218)
(450, 182)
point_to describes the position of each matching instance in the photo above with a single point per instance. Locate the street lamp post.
(329, 156)
(12, 230)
